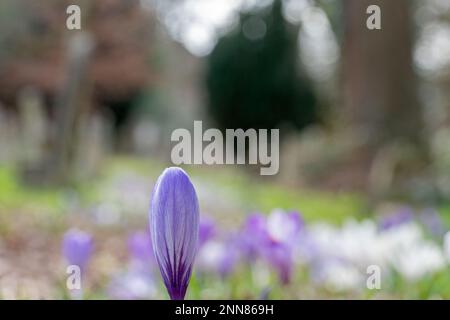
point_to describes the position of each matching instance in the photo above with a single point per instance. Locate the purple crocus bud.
(77, 247)
(174, 227)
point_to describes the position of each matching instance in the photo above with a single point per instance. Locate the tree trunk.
(380, 93)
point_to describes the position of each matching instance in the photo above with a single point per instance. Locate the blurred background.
(85, 123)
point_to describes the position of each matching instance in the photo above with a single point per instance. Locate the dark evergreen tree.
(254, 78)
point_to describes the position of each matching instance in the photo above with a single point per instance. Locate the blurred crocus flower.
(284, 226)
(431, 219)
(419, 259)
(174, 227)
(274, 239)
(283, 229)
(253, 236)
(280, 256)
(140, 247)
(207, 230)
(77, 247)
(218, 256)
(132, 285)
(401, 216)
(336, 274)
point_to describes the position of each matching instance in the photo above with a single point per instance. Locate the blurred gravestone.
(71, 104)
(32, 126)
(9, 140)
(147, 137)
(33, 52)
(94, 143)
(3, 124)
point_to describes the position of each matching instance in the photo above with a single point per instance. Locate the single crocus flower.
(174, 227)
(77, 247)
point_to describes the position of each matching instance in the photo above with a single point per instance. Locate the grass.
(254, 194)
(15, 195)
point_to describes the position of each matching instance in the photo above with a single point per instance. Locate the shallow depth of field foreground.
(357, 201)
(256, 240)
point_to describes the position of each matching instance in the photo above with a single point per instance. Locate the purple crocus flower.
(284, 226)
(174, 227)
(278, 238)
(253, 236)
(77, 247)
(218, 256)
(280, 256)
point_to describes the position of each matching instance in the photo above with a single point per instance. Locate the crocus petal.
(174, 227)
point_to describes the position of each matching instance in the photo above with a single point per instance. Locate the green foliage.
(14, 195)
(253, 75)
